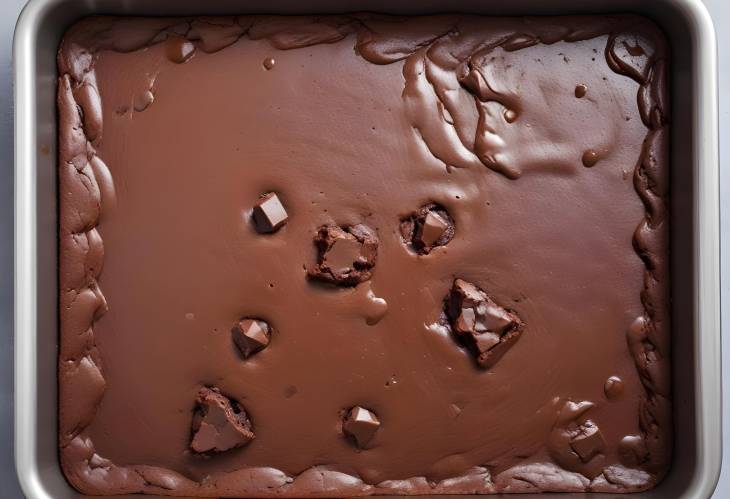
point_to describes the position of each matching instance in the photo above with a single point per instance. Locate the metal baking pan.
(695, 262)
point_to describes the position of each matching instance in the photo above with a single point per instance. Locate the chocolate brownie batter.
(360, 254)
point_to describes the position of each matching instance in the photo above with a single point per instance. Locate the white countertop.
(9, 9)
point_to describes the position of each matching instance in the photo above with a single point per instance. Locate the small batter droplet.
(455, 410)
(632, 450)
(510, 115)
(580, 90)
(590, 158)
(142, 101)
(376, 310)
(179, 49)
(269, 63)
(613, 388)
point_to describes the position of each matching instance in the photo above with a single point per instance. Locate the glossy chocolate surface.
(545, 141)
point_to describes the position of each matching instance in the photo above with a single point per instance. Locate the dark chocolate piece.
(429, 227)
(345, 255)
(251, 336)
(575, 442)
(487, 329)
(269, 214)
(219, 423)
(360, 425)
(588, 441)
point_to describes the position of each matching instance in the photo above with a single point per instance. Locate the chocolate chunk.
(431, 230)
(360, 425)
(346, 255)
(219, 423)
(575, 443)
(588, 442)
(251, 335)
(269, 214)
(429, 227)
(487, 329)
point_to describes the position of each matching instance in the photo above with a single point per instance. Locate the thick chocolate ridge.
(442, 55)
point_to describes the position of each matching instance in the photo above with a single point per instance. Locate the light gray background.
(9, 10)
